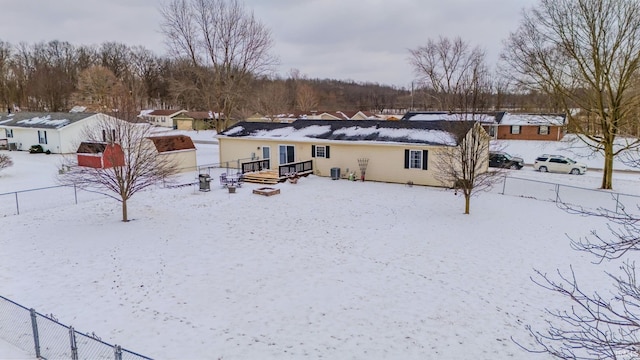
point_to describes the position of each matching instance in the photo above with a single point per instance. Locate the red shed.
(100, 155)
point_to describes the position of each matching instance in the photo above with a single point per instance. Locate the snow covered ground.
(327, 269)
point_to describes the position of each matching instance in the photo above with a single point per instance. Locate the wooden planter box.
(266, 191)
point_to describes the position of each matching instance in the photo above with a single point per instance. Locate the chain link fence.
(569, 195)
(44, 337)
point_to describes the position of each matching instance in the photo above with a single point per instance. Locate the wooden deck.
(262, 177)
(269, 177)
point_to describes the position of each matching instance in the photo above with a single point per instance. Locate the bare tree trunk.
(467, 203)
(124, 211)
(607, 172)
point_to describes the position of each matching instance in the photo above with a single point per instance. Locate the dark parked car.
(503, 160)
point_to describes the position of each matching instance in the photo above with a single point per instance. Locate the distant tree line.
(56, 75)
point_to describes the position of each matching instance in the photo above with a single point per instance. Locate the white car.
(560, 164)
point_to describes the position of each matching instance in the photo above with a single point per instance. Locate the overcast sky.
(361, 40)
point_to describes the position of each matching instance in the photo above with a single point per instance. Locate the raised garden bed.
(266, 191)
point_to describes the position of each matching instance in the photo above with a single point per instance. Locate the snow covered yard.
(325, 269)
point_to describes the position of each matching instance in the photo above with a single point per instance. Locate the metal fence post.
(34, 327)
(75, 193)
(117, 352)
(504, 184)
(17, 203)
(617, 201)
(74, 346)
(557, 192)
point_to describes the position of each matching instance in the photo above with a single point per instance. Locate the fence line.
(18, 202)
(43, 337)
(570, 195)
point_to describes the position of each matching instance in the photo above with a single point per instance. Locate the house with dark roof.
(390, 151)
(57, 132)
(179, 149)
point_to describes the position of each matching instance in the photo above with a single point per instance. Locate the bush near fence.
(44, 337)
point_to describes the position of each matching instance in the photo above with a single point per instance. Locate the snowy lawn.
(325, 269)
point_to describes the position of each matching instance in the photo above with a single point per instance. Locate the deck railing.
(302, 167)
(256, 165)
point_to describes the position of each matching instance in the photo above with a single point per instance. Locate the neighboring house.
(58, 132)
(503, 125)
(100, 155)
(196, 120)
(550, 127)
(162, 118)
(315, 115)
(397, 151)
(179, 149)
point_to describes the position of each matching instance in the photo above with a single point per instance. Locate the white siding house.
(58, 132)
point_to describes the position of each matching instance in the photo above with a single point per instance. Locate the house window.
(42, 137)
(287, 154)
(9, 132)
(320, 151)
(543, 130)
(266, 152)
(515, 129)
(416, 159)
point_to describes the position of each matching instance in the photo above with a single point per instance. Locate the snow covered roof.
(533, 119)
(54, 120)
(448, 116)
(415, 132)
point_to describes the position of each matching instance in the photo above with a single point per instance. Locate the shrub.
(36, 149)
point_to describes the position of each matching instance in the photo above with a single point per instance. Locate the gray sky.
(361, 40)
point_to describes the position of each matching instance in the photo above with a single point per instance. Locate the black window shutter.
(104, 135)
(425, 159)
(326, 151)
(406, 158)
(313, 151)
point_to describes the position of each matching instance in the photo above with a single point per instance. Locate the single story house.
(315, 115)
(179, 149)
(162, 118)
(100, 155)
(196, 120)
(394, 151)
(550, 127)
(58, 132)
(503, 125)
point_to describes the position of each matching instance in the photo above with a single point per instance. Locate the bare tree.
(584, 53)
(465, 164)
(138, 167)
(457, 77)
(220, 35)
(595, 326)
(270, 98)
(453, 74)
(306, 98)
(5, 161)
(97, 89)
